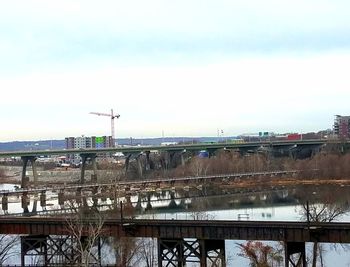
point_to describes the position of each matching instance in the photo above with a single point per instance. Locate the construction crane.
(113, 116)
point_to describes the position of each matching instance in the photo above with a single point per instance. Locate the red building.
(341, 126)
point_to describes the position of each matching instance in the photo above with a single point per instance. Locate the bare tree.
(126, 251)
(320, 212)
(148, 251)
(199, 166)
(86, 227)
(199, 211)
(7, 247)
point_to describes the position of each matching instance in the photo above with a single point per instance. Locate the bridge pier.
(25, 180)
(52, 250)
(177, 252)
(165, 160)
(84, 158)
(148, 160)
(5, 203)
(171, 251)
(34, 246)
(127, 162)
(139, 165)
(183, 158)
(295, 248)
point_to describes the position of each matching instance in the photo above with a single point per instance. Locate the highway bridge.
(168, 148)
(284, 147)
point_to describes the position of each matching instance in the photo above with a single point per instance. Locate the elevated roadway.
(287, 147)
(184, 147)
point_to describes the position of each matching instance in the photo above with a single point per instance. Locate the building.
(82, 142)
(341, 127)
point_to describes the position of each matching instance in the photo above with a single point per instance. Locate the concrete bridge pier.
(182, 158)
(174, 159)
(25, 180)
(139, 165)
(212, 152)
(165, 160)
(148, 160)
(84, 158)
(294, 248)
(5, 203)
(127, 162)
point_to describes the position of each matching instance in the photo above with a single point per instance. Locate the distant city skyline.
(183, 68)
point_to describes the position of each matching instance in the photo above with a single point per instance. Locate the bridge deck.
(186, 147)
(177, 229)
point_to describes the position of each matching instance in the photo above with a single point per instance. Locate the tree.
(199, 166)
(126, 251)
(7, 247)
(85, 226)
(148, 251)
(320, 212)
(260, 254)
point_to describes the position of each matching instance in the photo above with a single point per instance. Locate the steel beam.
(294, 254)
(199, 229)
(55, 251)
(179, 252)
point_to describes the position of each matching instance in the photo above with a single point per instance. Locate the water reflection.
(206, 202)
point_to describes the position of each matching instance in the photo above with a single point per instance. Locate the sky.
(172, 68)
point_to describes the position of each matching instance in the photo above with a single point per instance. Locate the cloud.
(40, 34)
(185, 67)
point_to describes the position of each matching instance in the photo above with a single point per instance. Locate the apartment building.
(341, 127)
(82, 142)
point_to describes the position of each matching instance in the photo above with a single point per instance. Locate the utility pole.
(113, 116)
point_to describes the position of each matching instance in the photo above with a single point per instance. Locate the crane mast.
(112, 116)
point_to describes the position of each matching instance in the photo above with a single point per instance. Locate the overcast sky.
(182, 68)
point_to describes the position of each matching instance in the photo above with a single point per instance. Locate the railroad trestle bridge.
(181, 241)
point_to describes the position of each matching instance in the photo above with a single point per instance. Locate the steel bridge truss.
(178, 252)
(60, 250)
